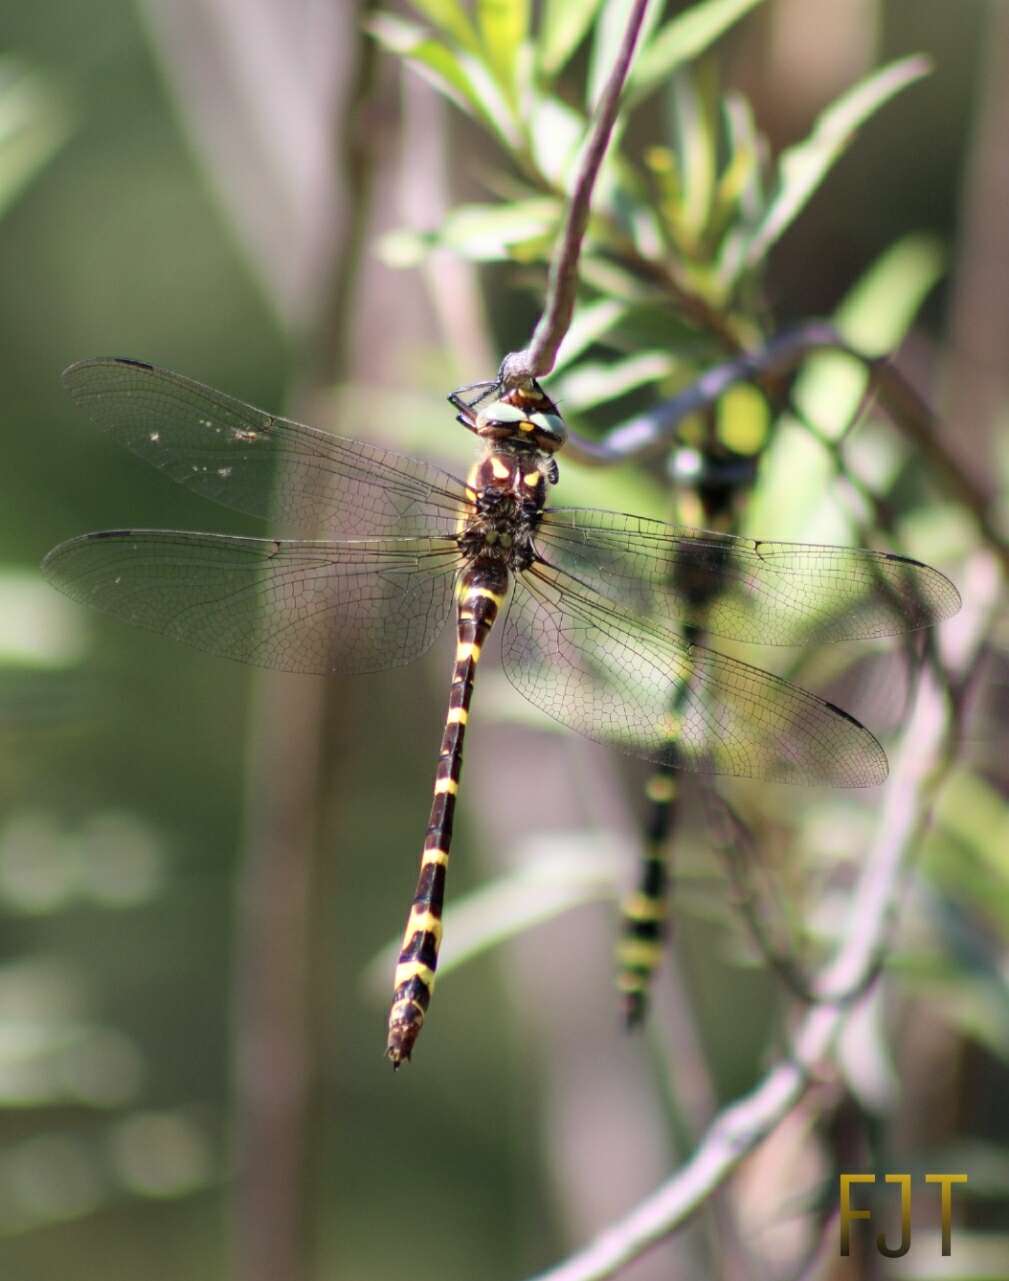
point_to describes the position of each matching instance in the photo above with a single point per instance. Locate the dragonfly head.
(523, 415)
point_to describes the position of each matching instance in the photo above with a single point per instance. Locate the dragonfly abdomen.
(482, 587)
(645, 924)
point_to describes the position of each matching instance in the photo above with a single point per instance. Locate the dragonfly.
(380, 549)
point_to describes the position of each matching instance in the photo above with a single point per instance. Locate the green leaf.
(681, 40)
(461, 78)
(599, 382)
(481, 233)
(739, 199)
(590, 323)
(562, 28)
(796, 471)
(803, 167)
(504, 24)
(451, 19)
(695, 103)
(489, 232)
(878, 311)
(556, 132)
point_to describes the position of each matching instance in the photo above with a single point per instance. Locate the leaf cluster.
(689, 203)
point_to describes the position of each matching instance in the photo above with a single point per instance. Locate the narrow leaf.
(796, 470)
(451, 19)
(482, 233)
(504, 24)
(803, 167)
(562, 29)
(597, 383)
(682, 39)
(695, 100)
(591, 322)
(556, 134)
(461, 78)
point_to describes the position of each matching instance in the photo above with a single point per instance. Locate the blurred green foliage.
(121, 776)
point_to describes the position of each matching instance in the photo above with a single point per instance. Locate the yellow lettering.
(905, 1219)
(945, 1182)
(847, 1213)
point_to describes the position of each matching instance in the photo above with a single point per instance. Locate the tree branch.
(923, 763)
(649, 434)
(538, 357)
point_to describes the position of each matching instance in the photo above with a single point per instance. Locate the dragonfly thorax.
(509, 491)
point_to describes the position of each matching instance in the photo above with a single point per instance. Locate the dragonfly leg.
(481, 593)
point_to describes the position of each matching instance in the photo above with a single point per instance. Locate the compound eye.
(499, 414)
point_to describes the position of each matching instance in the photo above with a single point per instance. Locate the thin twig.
(538, 358)
(649, 434)
(922, 766)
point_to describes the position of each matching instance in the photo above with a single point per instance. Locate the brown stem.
(538, 358)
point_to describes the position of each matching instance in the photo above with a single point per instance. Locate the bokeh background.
(199, 866)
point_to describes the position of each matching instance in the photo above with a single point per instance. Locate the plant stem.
(538, 357)
(735, 1132)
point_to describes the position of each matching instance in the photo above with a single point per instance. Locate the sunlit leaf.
(405, 247)
(695, 101)
(562, 28)
(796, 470)
(877, 312)
(682, 39)
(503, 25)
(803, 167)
(451, 19)
(591, 322)
(496, 107)
(597, 383)
(481, 233)
(487, 232)
(739, 200)
(556, 134)
(462, 78)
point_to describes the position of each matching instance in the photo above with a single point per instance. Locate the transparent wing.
(312, 483)
(615, 678)
(294, 606)
(761, 592)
